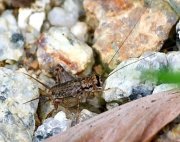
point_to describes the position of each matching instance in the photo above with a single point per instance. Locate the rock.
(8, 22)
(69, 11)
(80, 30)
(140, 91)
(128, 78)
(52, 126)
(129, 27)
(27, 22)
(16, 118)
(11, 46)
(38, 16)
(59, 46)
(178, 35)
(86, 114)
(173, 61)
(111, 105)
(176, 5)
(164, 87)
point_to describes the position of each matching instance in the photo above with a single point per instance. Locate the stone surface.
(8, 22)
(173, 61)
(140, 91)
(11, 46)
(176, 5)
(85, 115)
(111, 105)
(16, 118)
(27, 22)
(164, 87)
(129, 27)
(52, 126)
(80, 30)
(11, 40)
(178, 35)
(128, 80)
(69, 11)
(59, 46)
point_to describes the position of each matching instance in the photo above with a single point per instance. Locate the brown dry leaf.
(137, 121)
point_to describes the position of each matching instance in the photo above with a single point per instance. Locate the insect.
(68, 86)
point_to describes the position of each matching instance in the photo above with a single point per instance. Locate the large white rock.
(17, 117)
(128, 78)
(59, 46)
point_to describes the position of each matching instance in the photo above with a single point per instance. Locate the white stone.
(11, 46)
(16, 116)
(59, 17)
(23, 16)
(80, 30)
(36, 20)
(8, 22)
(30, 22)
(129, 74)
(174, 60)
(52, 126)
(59, 46)
(67, 15)
(61, 116)
(111, 105)
(164, 87)
(178, 35)
(86, 114)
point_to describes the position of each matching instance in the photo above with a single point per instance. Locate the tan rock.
(129, 27)
(59, 46)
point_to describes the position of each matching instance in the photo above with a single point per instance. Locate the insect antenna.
(130, 64)
(46, 86)
(44, 96)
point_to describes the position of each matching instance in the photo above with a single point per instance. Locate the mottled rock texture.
(59, 46)
(128, 27)
(16, 116)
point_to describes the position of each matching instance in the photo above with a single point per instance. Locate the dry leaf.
(137, 121)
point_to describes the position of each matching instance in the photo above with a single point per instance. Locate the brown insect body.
(67, 86)
(77, 86)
